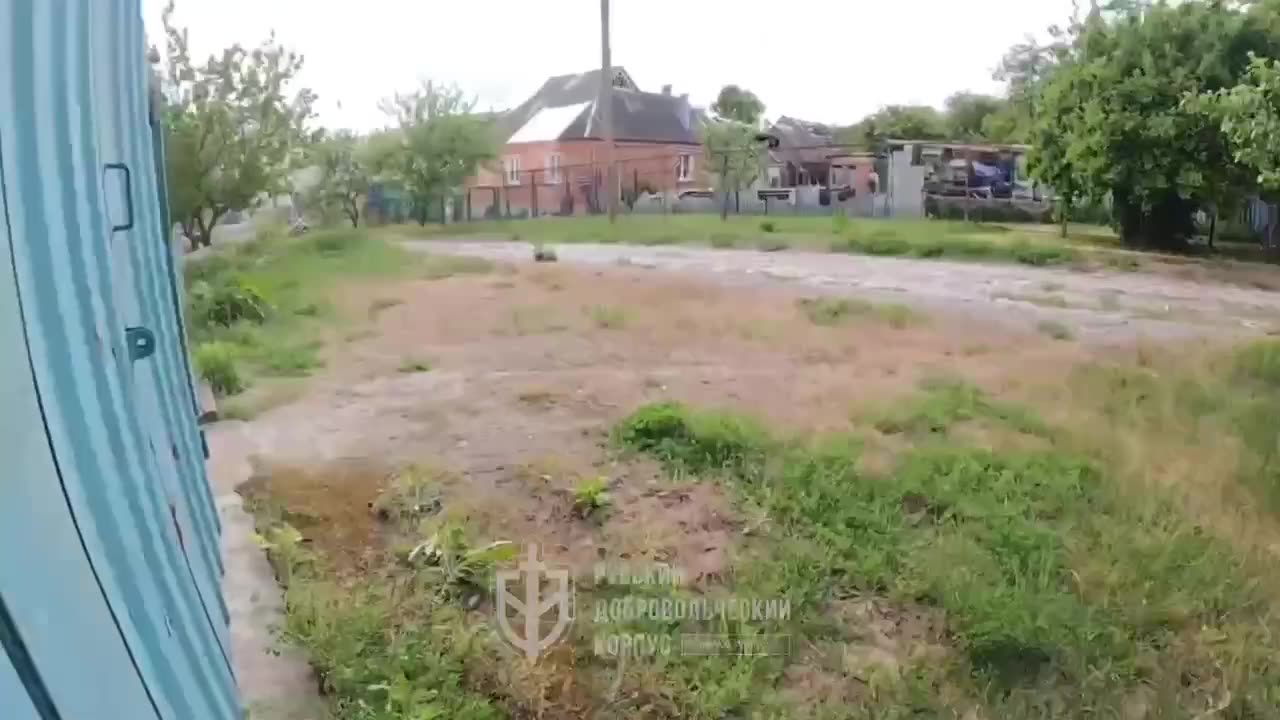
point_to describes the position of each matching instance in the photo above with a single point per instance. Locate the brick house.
(552, 160)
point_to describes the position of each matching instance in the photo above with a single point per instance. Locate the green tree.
(733, 156)
(235, 128)
(1249, 115)
(968, 114)
(908, 122)
(345, 170)
(1110, 119)
(440, 143)
(735, 103)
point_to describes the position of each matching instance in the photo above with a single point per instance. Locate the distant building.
(552, 160)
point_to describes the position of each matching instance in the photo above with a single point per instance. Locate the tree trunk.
(204, 233)
(1213, 227)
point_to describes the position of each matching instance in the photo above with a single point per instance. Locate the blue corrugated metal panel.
(16, 704)
(51, 591)
(120, 441)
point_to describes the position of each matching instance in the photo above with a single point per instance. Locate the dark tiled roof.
(640, 116)
(558, 91)
(636, 115)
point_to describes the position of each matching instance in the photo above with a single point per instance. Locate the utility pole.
(606, 115)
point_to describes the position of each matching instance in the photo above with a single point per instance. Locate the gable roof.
(566, 108)
(639, 116)
(559, 91)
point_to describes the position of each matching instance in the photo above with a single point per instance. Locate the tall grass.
(262, 308)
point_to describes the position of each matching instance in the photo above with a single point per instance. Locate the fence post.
(533, 188)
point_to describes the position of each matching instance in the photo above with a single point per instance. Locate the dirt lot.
(536, 362)
(486, 403)
(1181, 301)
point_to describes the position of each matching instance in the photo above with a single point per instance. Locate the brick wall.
(653, 166)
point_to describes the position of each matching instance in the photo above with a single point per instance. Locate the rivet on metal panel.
(168, 624)
(141, 341)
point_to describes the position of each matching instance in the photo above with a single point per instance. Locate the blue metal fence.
(110, 602)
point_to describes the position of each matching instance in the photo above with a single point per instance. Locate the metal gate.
(110, 602)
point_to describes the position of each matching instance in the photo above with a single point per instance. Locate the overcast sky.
(824, 60)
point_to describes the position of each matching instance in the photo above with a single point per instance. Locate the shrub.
(217, 364)
(768, 226)
(227, 302)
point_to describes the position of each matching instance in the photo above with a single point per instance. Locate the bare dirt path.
(1102, 307)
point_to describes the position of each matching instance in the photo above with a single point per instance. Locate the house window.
(684, 171)
(511, 168)
(553, 169)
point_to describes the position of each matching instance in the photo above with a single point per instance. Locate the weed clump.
(217, 363)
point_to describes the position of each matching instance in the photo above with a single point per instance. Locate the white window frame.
(511, 169)
(553, 175)
(684, 168)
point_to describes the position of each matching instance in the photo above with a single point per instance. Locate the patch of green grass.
(831, 311)
(944, 402)
(1056, 329)
(834, 311)
(438, 267)
(897, 315)
(1052, 584)
(374, 658)
(295, 360)
(1259, 362)
(768, 226)
(723, 240)
(267, 301)
(413, 364)
(218, 363)
(608, 317)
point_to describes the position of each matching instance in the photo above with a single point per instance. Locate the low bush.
(226, 301)
(218, 365)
